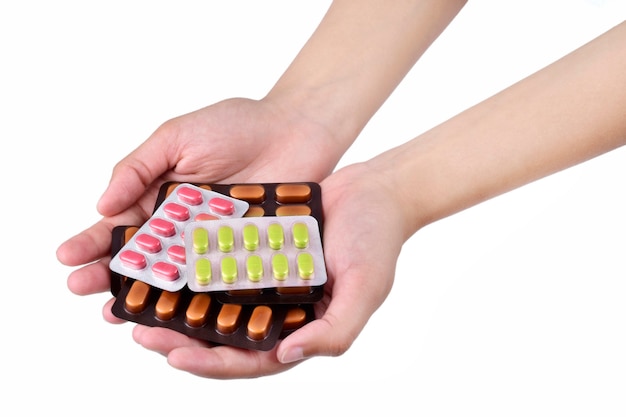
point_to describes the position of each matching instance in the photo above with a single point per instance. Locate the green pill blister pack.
(254, 253)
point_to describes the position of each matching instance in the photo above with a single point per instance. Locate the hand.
(363, 235)
(237, 140)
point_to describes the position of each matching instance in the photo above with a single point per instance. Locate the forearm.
(356, 57)
(569, 112)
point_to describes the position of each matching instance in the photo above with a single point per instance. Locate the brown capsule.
(293, 193)
(293, 210)
(167, 305)
(295, 318)
(170, 188)
(137, 297)
(129, 233)
(293, 290)
(259, 323)
(252, 193)
(228, 318)
(255, 211)
(198, 310)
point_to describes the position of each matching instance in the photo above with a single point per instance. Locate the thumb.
(331, 335)
(132, 175)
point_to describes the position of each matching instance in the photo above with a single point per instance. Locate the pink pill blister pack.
(254, 253)
(156, 253)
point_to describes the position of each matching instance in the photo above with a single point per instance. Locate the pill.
(198, 310)
(133, 260)
(294, 318)
(280, 266)
(205, 216)
(225, 238)
(246, 292)
(293, 193)
(228, 318)
(252, 193)
(229, 269)
(203, 271)
(200, 240)
(300, 235)
(176, 253)
(148, 243)
(293, 210)
(305, 265)
(254, 266)
(275, 236)
(176, 211)
(162, 227)
(167, 305)
(129, 233)
(137, 297)
(250, 237)
(293, 290)
(222, 206)
(171, 188)
(189, 195)
(255, 211)
(165, 270)
(259, 323)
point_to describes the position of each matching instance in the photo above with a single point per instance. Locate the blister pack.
(156, 253)
(202, 315)
(270, 200)
(254, 253)
(253, 318)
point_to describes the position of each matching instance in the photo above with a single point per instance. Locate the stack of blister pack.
(231, 264)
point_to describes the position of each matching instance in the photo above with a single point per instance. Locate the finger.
(351, 306)
(108, 314)
(326, 336)
(134, 174)
(226, 362)
(87, 246)
(163, 340)
(90, 279)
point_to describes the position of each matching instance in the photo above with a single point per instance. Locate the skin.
(532, 129)
(320, 104)
(569, 112)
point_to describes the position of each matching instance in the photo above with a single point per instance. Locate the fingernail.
(292, 355)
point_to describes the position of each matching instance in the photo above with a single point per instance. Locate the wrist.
(413, 176)
(317, 111)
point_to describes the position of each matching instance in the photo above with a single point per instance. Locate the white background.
(514, 307)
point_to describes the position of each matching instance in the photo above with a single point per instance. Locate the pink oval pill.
(165, 270)
(148, 243)
(177, 253)
(222, 206)
(132, 259)
(205, 216)
(162, 227)
(189, 195)
(176, 211)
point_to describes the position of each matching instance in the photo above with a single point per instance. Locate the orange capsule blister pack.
(156, 253)
(201, 316)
